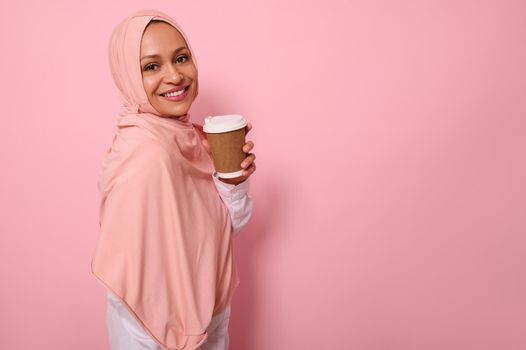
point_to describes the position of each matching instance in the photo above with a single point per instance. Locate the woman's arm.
(234, 192)
(237, 201)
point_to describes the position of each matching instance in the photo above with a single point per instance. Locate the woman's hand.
(247, 164)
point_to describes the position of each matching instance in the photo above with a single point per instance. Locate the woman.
(165, 251)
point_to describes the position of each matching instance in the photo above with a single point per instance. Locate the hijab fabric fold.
(165, 244)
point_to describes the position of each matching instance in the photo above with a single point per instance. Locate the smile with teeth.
(175, 93)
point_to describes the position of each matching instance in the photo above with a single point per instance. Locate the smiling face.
(167, 67)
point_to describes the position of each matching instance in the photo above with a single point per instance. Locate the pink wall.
(390, 190)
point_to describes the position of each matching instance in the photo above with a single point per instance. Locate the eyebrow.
(156, 56)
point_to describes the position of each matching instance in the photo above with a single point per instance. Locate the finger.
(250, 170)
(248, 146)
(248, 128)
(248, 160)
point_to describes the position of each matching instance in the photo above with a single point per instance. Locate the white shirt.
(237, 201)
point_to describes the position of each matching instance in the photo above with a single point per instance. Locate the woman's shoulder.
(132, 161)
(152, 151)
(139, 151)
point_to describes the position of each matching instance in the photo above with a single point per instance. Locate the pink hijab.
(165, 245)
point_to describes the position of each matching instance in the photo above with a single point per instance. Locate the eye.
(149, 66)
(182, 59)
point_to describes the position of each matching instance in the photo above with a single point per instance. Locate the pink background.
(390, 189)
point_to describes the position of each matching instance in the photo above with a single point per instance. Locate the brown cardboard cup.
(226, 136)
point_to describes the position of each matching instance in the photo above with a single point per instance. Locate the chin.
(172, 110)
(175, 113)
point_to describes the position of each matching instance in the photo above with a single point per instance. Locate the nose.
(172, 75)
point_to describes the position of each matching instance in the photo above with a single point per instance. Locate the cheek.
(195, 79)
(149, 85)
(191, 72)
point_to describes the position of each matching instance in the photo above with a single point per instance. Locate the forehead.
(160, 37)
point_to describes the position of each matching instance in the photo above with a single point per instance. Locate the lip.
(179, 97)
(175, 89)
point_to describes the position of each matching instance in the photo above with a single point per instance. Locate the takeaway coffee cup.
(226, 136)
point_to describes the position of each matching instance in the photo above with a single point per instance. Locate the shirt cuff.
(231, 191)
(237, 201)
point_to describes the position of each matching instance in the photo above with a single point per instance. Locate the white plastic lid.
(224, 123)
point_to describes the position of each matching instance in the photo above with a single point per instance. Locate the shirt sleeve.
(237, 201)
